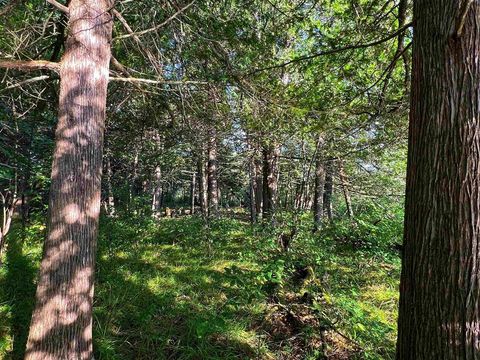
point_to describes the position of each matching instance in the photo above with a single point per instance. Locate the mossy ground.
(184, 289)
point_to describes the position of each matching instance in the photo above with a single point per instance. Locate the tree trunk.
(328, 190)
(439, 315)
(258, 185)
(271, 154)
(133, 186)
(212, 174)
(110, 197)
(203, 182)
(319, 189)
(346, 192)
(194, 186)
(253, 189)
(61, 326)
(157, 192)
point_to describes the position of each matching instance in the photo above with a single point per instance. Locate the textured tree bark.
(61, 326)
(212, 173)
(328, 190)
(319, 189)
(271, 154)
(439, 314)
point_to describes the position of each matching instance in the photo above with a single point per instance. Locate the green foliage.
(186, 289)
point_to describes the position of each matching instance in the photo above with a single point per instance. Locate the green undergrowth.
(184, 289)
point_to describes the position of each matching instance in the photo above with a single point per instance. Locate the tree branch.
(334, 51)
(59, 6)
(156, 82)
(30, 65)
(143, 32)
(28, 81)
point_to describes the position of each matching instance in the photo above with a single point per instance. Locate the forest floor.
(182, 289)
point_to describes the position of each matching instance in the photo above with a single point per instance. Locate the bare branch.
(28, 81)
(334, 51)
(59, 6)
(157, 82)
(30, 65)
(156, 64)
(143, 32)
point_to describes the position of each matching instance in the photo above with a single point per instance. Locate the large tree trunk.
(61, 326)
(212, 173)
(271, 154)
(440, 284)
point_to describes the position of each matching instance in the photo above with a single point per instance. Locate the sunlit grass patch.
(186, 289)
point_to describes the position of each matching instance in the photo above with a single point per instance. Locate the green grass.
(179, 289)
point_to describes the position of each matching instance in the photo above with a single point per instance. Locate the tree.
(212, 173)
(439, 289)
(271, 154)
(319, 189)
(61, 326)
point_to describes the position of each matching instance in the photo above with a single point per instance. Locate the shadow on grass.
(18, 291)
(168, 297)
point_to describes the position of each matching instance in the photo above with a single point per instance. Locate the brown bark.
(212, 173)
(439, 314)
(61, 326)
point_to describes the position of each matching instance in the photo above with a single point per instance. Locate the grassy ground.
(180, 289)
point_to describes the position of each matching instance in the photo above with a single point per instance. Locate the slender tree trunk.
(61, 326)
(328, 190)
(258, 185)
(212, 174)
(157, 192)
(253, 189)
(346, 192)
(253, 181)
(110, 197)
(133, 186)
(319, 189)
(194, 186)
(203, 182)
(271, 155)
(439, 314)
